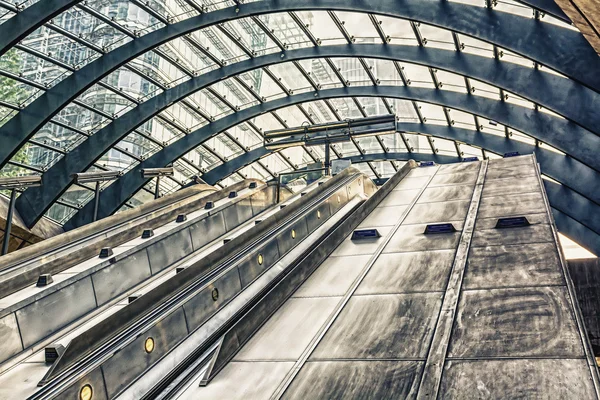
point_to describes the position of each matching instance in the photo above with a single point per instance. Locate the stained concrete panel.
(459, 167)
(412, 183)
(460, 178)
(523, 322)
(409, 238)
(241, 381)
(510, 186)
(517, 379)
(399, 198)
(428, 213)
(356, 380)
(333, 277)
(408, 272)
(511, 204)
(446, 193)
(513, 266)
(289, 331)
(383, 216)
(534, 219)
(361, 247)
(382, 327)
(531, 234)
(511, 169)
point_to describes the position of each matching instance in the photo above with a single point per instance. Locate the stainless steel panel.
(446, 193)
(399, 198)
(94, 379)
(459, 167)
(502, 187)
(207, 229)
(287, 240)
(249, 269)
(382, 326)
(438, 212)
(199, 308)
(383, 216)
(524, 322)
(117, 278)
(338, 200)
(422, 171)
(289, 331)
(411, 238)
(10, 343)
(530, 234)
(408, 272)
(513, 266)
(317, 217)
(42, 318)
(131, 361)
(517, 379)
(333, 277)
(242, 381)
(409, 183)
(356, 380)
(513, 204)
(460, 178)
(237, 213)
(169, 250)
(361, 247)
(262, 200)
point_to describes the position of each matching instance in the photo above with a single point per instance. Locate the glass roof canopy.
(90, 29)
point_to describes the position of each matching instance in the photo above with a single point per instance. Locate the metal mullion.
(285, 125)
(222, 99)
(434, 78)
(243, 84)
(126, 152)
(174, 62)
(433, 149)
(24, 166)
(369, 72)
(237, 41)
(373, 169)
(194, 43)
(460, 47)
(277, 80)
(364, 114)
(457, 43)
(306, 76)
(387, 105)
(75, 38)
(19, 78)
(420, 39)
(10, 6)
(341, 27)
(405, 141)
(304, 29)
(149, 78)
(339, 118)
(379, 29)
(235, 141)
(195, 6)
(148, 137)
(92, 109)
(197, 110)
(400, 70)
(265, 168)
(447, 115)
(45, 57)
(213, 152)
(359, 106)
(121, 93)
(306, 114)
(497, 56)
(191, 164)
(337, 72)
(47, 146)
(457, 147)
(71, 128)
(269, 33)
(173, 124)
(105, 19)
(394, 165)
(151, 11)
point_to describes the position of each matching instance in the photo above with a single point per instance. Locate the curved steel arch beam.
(120, 191)
(579, 219)
(561, 49)
(557, 166)
(18, 27)
(576, 231)
(548, 7)
(558, 94)
(232, 166)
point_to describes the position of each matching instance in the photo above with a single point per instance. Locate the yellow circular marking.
(215, 294)
(86, 393)
(318, 214)
(149, 345)
(260, 259)
(293, 234)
